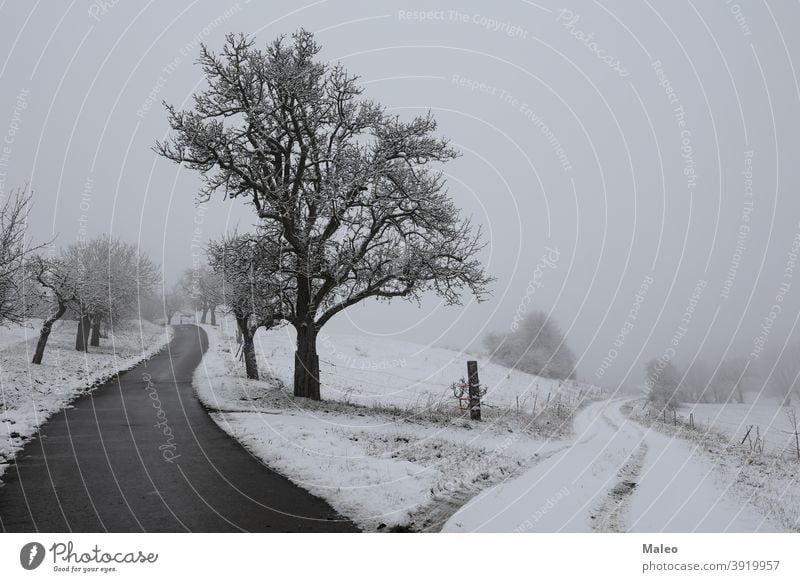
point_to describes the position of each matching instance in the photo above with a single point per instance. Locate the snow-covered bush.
(538, 347)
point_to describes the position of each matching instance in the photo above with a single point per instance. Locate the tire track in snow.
(608, 515)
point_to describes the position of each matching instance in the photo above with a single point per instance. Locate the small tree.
(59, 288)
(349, 193)
(662, 381)
(252, 288)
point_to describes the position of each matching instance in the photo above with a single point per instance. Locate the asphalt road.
(140, 453)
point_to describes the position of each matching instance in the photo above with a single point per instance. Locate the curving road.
(141, 454)
(617, 476)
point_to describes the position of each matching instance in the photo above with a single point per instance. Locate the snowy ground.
(388, 372)
(621, 476)
(30, 394)
(768, 479)
(409, 462)
(766, 417)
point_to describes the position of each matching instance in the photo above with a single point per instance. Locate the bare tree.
(109, 277)
(348, 192)
(59, 287)
(14, 249)
(252, 287)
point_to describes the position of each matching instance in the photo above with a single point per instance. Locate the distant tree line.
(776, 373)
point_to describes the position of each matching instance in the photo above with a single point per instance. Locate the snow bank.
(30, 394)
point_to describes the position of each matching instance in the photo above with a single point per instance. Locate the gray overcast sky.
(616, 133)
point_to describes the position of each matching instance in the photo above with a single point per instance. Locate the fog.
(634, 166)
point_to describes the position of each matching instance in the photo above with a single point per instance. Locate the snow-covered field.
(389, 466)
(30, 394)
(766, 417)
(389, 372)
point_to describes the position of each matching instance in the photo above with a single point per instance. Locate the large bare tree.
(353, 196)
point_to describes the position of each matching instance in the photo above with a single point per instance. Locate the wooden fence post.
(474, 390)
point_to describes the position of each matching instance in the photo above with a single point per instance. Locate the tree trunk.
(95, 340)
(44, 334)
(306, 362)
(213, 315)
(205, 312)
(82, 337)
(248, 347)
